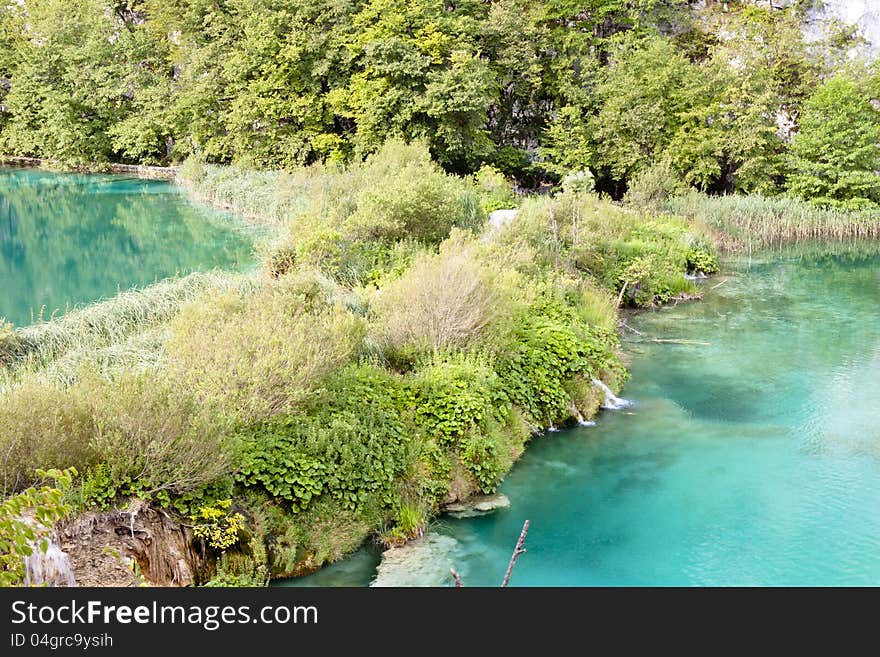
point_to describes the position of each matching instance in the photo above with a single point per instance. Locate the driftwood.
(622, 292)
(625, 325)
(518, 550)
(672, 341)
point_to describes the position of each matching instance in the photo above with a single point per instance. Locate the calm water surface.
(68, 239)
(751, 455)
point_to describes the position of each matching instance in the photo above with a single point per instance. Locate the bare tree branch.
(518, 550)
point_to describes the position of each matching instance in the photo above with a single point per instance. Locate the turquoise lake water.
(751, 455)
(68, 239)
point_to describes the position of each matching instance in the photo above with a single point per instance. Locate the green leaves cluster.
(26, 517)
(835, 157)
(350, 447)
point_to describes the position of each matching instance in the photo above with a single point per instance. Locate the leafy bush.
(42, 426)
(442, 301)
(416, 200)
(19, 536)
(650, 188)
(349, 447)
(217, 526)
(579, 182)
(257, 356)
(544, 354)
(495, 191)
(455, 395)
(152, 437)
(479, 454)
(648, 262)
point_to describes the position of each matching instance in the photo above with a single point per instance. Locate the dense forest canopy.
(725, 96)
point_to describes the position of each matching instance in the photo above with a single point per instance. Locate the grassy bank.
(391, 356)
(752, 222)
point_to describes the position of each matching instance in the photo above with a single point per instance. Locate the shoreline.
(139, 170)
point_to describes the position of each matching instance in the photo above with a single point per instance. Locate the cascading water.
(49, 568)
(577, 415)
(612, 401)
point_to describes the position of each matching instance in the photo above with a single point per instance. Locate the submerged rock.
(423, 562)
(477, 506)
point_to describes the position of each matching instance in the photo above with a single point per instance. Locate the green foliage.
(494, 189)
(410, 199)
(153, 437)
(652, 187)
(454, 396)
(608, 85)
(42, 427)
(349, 447)
(835, 155)
(19, 536)
(217, 526)
(255, 356)
(409, 520)
(479, 453)
(442, 301)
(545, 354)
(85, 331)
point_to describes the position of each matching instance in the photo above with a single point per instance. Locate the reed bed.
(274, 197)
(751, 222)
(110, 322)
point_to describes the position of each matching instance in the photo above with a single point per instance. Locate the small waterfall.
(612, 401)
(580, 418)
(49, 568)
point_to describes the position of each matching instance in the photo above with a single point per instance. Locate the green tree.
(835, 156)
(65, 89)
(643, 93)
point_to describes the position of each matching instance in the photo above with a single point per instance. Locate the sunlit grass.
(741, 222)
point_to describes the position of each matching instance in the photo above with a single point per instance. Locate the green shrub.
(417, 204)
(42, 426)
(543, 355)
(19, 536)
(650, 188)
(495, 191)
(455, 395)
(442, 301)
(479, 454)
(256, 356)
(349, 447)
(151, 437)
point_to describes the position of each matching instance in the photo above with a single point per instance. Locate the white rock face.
(863, 13)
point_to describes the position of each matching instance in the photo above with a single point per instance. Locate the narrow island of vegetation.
(395, 350)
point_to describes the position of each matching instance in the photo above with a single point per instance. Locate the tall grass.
(753, 221)
(110, 322)
(274, 196)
